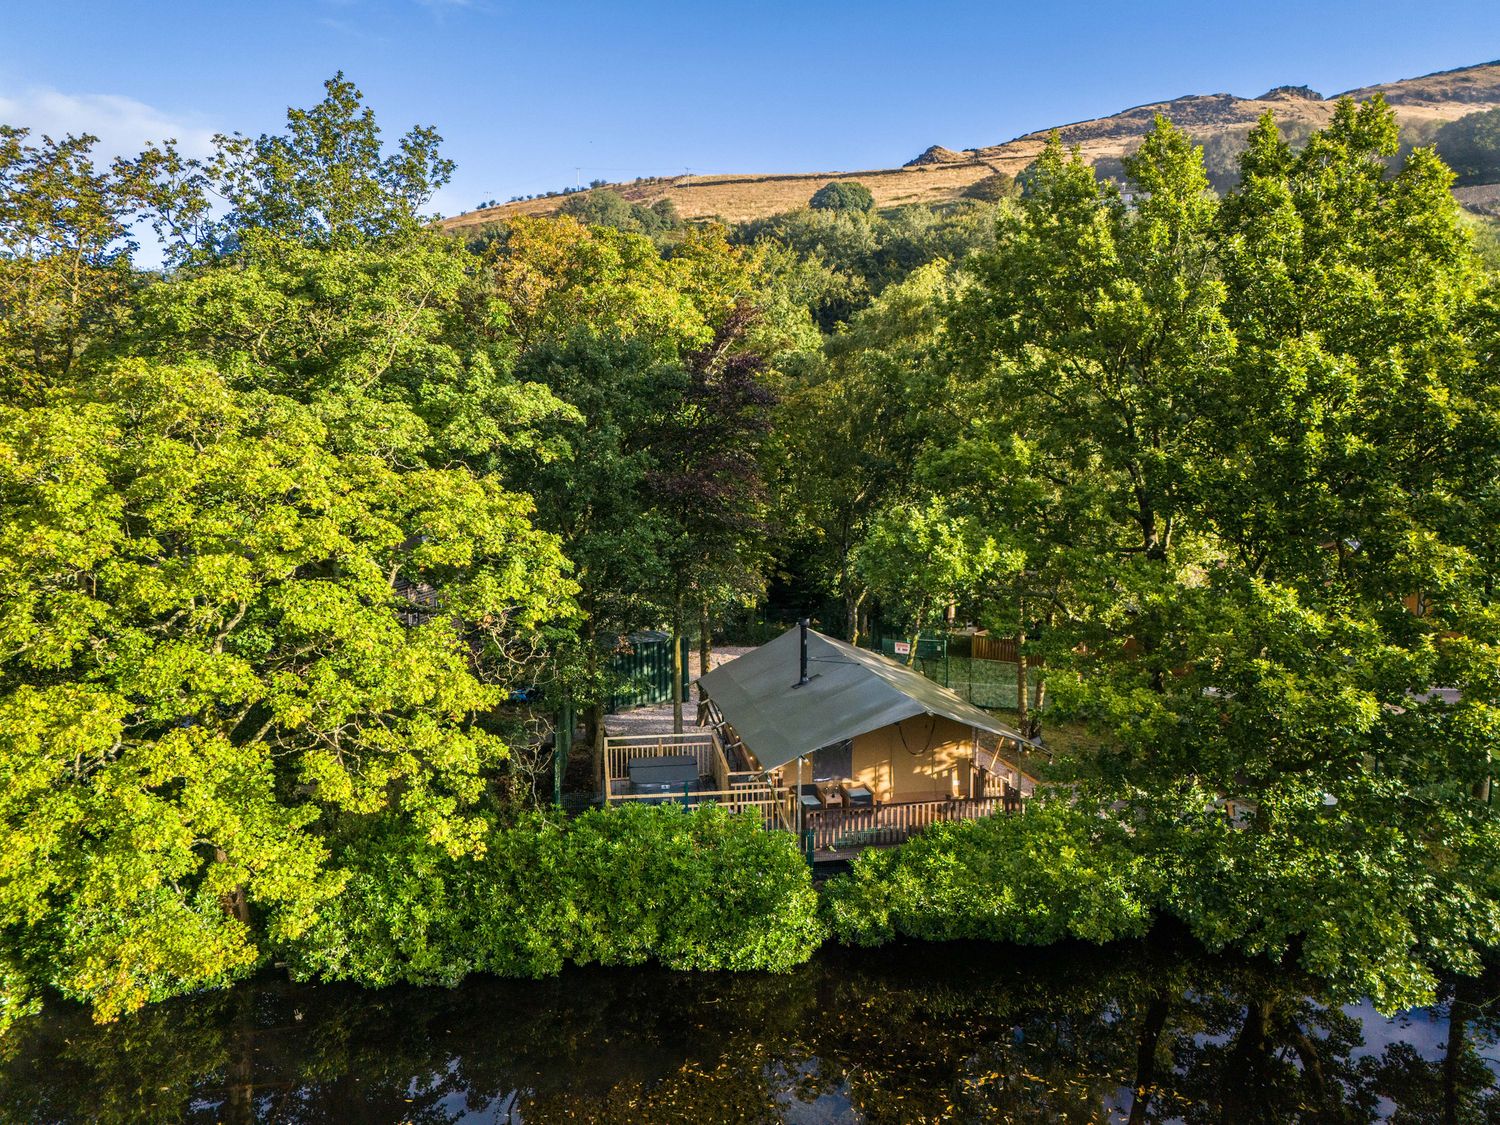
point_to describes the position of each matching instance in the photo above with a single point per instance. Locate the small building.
(860, 723)
(846, 747)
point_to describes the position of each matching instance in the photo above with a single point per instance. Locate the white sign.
(903, 648)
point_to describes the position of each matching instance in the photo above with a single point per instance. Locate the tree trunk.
(1145, 1059)
(594, 715)
(677, 668)
(916, 639)
(239, 1102)
(855, 604)
(705, 641)
(1459, 1010)
(1023, 693)
(236, 903)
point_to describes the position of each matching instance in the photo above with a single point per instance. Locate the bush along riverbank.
(700, 889)
(707, 890)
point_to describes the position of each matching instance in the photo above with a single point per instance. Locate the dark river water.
(1148, 1032)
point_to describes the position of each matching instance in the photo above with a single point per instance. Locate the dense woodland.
(290, 522)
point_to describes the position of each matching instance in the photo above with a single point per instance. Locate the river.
(1155, 1031)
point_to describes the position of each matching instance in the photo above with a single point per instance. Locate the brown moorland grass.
(941, 175)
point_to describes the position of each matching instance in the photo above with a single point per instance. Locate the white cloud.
(123, 125)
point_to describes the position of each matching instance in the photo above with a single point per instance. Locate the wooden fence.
(999, 775)
(736, 791)
(619, 750)
(834, 829)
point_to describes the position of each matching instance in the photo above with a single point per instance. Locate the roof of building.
(849, 692)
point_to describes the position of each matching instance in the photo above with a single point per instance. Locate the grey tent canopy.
(849, 692)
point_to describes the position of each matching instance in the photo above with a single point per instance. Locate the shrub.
(1471, 147)
(993, 188)
(697, 890)
(411, 912)
(842, 195)
(1054, 873)
(691, 890)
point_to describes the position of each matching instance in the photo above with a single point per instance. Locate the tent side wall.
(924, 758)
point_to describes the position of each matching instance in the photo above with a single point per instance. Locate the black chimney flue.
(803, 678)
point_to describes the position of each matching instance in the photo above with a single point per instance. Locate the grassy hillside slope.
(1219, 121)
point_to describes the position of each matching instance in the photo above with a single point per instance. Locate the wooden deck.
(836, 832)
(718, 784)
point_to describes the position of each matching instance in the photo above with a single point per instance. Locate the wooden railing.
(735, 791)
(998, 775)
(890, 824)
(768, 803)
(619, 750)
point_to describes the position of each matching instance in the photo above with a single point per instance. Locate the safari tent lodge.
(845, 746)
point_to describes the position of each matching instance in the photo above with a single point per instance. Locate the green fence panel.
(930, 646)
(990, 684)
(642, 672)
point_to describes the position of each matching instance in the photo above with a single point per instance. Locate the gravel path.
(657, 719)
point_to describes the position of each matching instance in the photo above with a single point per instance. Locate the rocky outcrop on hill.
(937, 154)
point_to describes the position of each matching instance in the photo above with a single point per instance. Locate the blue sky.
(526, 93)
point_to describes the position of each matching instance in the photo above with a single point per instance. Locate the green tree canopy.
(202, 652)
(842, 195)
(1253, 427)
(1471, 147)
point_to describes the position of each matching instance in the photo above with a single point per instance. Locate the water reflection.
(1151, 1032)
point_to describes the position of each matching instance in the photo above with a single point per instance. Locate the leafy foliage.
(284, 523)
(1471, 147)
(199, 625)
(842, 195)
(1057, 872)
(689, 890)
(605, 208)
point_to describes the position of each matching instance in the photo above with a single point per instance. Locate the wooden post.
(677, 643)
(705, 642)
(1023, 689)
(562, 749)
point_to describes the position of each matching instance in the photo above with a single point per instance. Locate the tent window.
(834, 760)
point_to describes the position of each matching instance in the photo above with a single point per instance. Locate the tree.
(1471, 147)
(326, 178)
(842, 195)
(607, 208)
(657, 497)
(64, 257)
(1255, 428)
(850, 431)
(920, 560)
(708, 479)
(202, 653)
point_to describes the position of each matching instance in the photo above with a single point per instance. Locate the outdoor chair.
(810, 796)
(858, 796)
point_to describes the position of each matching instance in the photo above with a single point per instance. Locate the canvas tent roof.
(850, 692)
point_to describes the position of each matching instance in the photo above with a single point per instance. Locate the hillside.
(939, 175)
